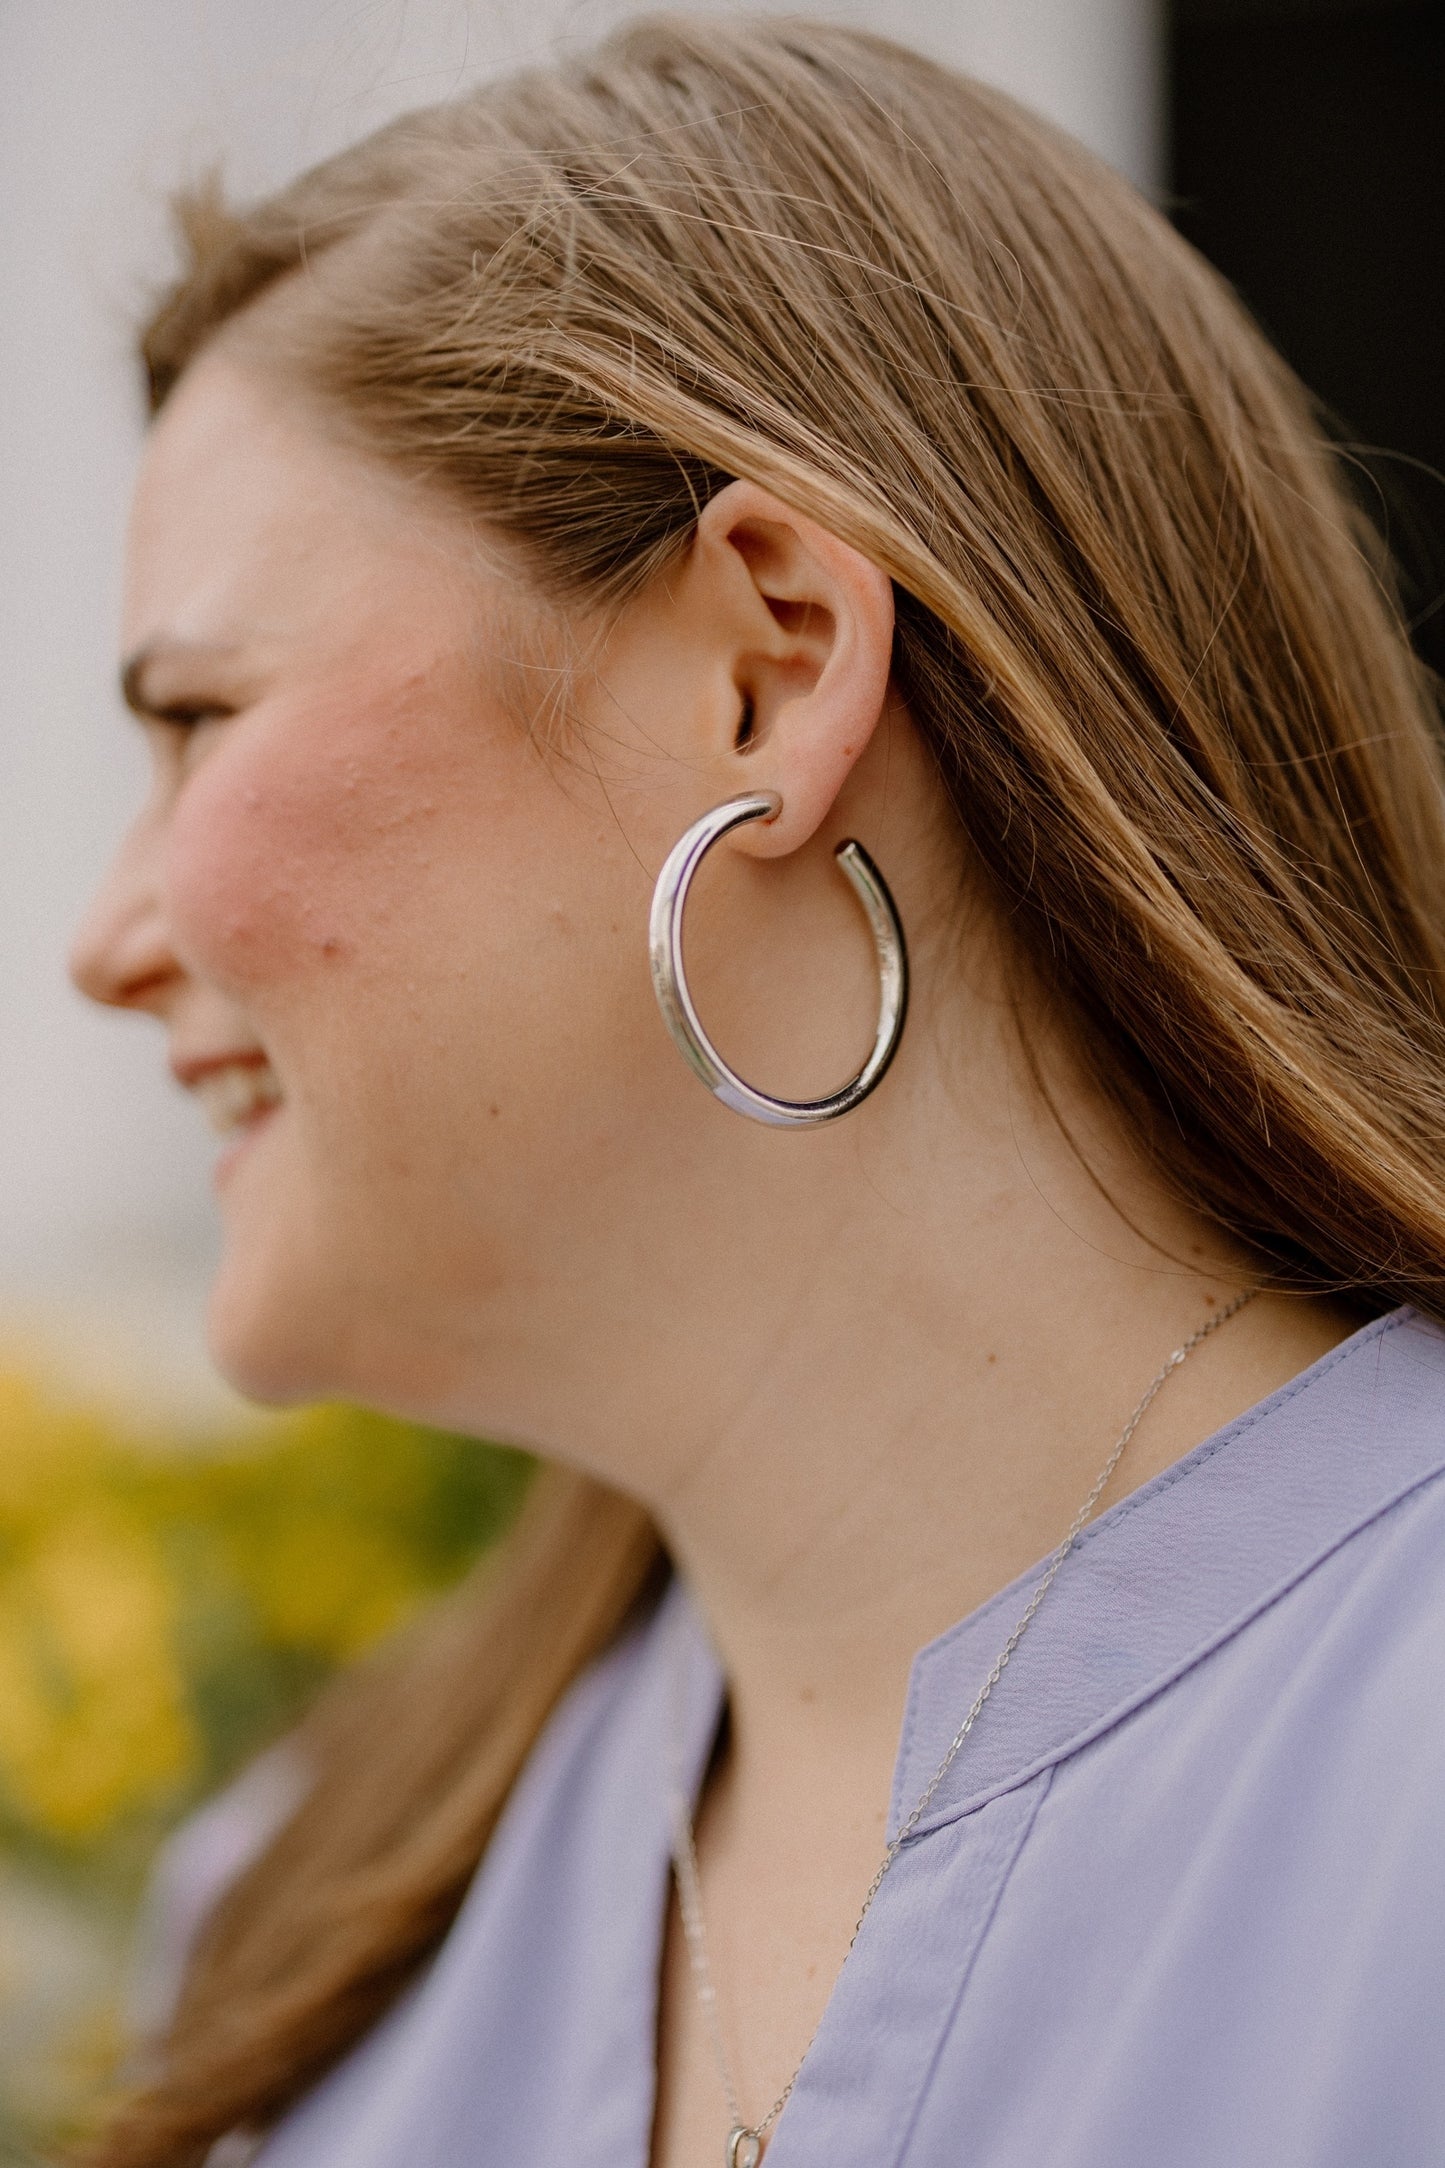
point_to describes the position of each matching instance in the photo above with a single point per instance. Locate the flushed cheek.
(398, 901)
(293, 845)
(420, 925)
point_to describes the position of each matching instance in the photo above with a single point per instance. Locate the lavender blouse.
(1180, 1902)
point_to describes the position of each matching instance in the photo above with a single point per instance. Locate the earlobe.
(813, 656)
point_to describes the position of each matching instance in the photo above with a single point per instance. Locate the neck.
(959, 1358)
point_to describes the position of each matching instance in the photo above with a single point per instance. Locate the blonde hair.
(1150, 644)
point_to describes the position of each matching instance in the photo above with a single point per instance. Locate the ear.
(808, 622)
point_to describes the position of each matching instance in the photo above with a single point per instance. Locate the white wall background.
(104, 1223)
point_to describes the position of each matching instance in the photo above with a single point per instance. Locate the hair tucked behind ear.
(1150, 644)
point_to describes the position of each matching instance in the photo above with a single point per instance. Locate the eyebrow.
(135, 668)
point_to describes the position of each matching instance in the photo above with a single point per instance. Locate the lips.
(235, 1090)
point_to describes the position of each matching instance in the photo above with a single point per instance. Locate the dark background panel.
(1309, 165)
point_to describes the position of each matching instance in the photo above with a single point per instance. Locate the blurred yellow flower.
(94, 1721)
(167, 1605)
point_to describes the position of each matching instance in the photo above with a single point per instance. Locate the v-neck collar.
(1176, 1567)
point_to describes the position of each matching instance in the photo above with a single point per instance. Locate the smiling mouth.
(237, 1094)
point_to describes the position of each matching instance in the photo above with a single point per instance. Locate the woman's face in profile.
(398, 950)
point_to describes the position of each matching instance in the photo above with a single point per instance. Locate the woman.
(757, 421)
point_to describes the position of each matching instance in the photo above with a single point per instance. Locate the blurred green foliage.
(167, 1605)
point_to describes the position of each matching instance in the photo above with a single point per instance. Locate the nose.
(122, 953)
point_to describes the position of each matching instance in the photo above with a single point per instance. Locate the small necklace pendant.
(745, 2148)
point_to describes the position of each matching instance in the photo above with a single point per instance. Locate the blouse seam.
(1043, 1781)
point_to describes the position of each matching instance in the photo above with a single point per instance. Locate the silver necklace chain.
(745, 2140)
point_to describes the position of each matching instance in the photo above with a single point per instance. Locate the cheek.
(401, 895)
(293, 843)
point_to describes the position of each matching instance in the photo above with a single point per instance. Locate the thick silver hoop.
(669, 979)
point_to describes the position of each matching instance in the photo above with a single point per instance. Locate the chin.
(274, 1329)
(285, 1336)
(278, 1328)
(313, 1301)
(266, 1349)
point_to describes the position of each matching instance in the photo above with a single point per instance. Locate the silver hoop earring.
(675, 1001)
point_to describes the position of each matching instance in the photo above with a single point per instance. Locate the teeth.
(236, 1095)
